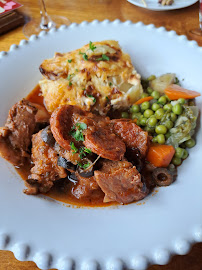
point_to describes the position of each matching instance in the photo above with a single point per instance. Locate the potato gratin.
(95, 77)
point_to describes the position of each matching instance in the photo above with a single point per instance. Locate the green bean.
(177, 109)
(161, 129)
(190, 143)
(160, 139)
(148, 113)
(155, 94)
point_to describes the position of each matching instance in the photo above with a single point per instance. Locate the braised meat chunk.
(120, 181)
(15, 137)
(131, 134)
(86, 187)
(45, 170)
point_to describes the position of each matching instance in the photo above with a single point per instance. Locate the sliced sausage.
(105, 143)
(61, 122)
(132, 135)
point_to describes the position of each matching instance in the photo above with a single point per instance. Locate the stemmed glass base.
(35, 26)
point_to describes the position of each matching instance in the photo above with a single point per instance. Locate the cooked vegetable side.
(99, 134)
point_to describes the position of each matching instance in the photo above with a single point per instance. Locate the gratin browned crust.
(91, 83)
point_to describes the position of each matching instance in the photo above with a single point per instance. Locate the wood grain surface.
(79, 10)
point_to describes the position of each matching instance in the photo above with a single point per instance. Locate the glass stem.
(200, 14)
(46, 22)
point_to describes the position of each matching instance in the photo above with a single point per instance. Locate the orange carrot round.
(160, 155)
(175, 91)
(140, 101)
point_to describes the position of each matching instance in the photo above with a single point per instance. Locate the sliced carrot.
(140, 101)
(174, 91)
(160, 155)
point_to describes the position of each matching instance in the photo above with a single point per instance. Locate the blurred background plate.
(154, 5)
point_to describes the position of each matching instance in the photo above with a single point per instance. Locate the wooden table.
(78, 10)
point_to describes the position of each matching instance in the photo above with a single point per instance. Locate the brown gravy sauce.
(61, 193)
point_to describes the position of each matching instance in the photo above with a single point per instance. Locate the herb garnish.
(91, 96)
(70, 60)
(70, 83)
(73, 147)
(103, 58)
(107, 98)
(110, 83)
(69, 76)
(91, 46)
(85, 56)
(76, 131)
(83, 151)
(83, 166)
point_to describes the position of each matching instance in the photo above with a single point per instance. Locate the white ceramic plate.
(154, 5)
(55, 236)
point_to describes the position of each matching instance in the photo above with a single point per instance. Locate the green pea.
(148, 113)
(190, 143)
(135, 108)
(179, 152)
(124, 115)
(149, 129)
(155, 94)
(167, 135)
(167, 97)
(185, 154)
(138, 122)
(168, 107)
(154, 139)
(169, 124)
(151, 78)
(181, 101)
(177, 109)
(145, 105)
(161, 129)
(159, 113)
(155, 107)
(136, 115)
(182, 145)
(143, 121)
(152, 121)
(173, 117)
(160, 139)
(143, 95)
(162, 100)
(176, 161)
(149, 90)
